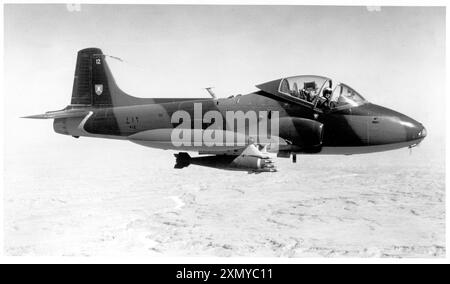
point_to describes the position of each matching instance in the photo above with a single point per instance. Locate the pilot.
(310, 89)
(325, 100)
(327, 92)
(311, 94)
(308, 94)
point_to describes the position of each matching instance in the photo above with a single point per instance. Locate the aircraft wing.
(252, 156)
(162, 138)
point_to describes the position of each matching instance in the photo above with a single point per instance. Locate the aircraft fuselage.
(361, 129)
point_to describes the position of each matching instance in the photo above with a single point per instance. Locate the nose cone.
(387, 126)
(414, 129)
(423, 133)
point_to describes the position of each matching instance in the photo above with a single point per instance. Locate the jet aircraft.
(305, 114)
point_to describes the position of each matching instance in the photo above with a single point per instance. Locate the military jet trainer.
(288, 116)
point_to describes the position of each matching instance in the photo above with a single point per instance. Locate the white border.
(218, 260)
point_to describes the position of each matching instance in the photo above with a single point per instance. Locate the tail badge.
(99, 89)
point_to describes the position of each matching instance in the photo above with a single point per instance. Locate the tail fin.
(94, 84)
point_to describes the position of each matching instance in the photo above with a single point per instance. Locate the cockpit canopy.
(316, 91)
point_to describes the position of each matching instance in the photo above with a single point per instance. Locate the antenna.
(115, 57)
(211, 92)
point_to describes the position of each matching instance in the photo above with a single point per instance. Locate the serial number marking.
(244, 273)
(132, 121)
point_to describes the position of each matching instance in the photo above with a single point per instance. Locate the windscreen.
(344, 95)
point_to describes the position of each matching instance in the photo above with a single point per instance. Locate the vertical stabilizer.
(94, 84)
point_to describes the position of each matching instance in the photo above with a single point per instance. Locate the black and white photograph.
(281, 132)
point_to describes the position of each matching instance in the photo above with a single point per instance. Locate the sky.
(393, 56)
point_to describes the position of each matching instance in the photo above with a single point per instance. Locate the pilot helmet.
(327, 92)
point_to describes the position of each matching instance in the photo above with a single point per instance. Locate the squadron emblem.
(99, 89)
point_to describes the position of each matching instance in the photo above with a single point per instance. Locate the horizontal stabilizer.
(59, 114)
